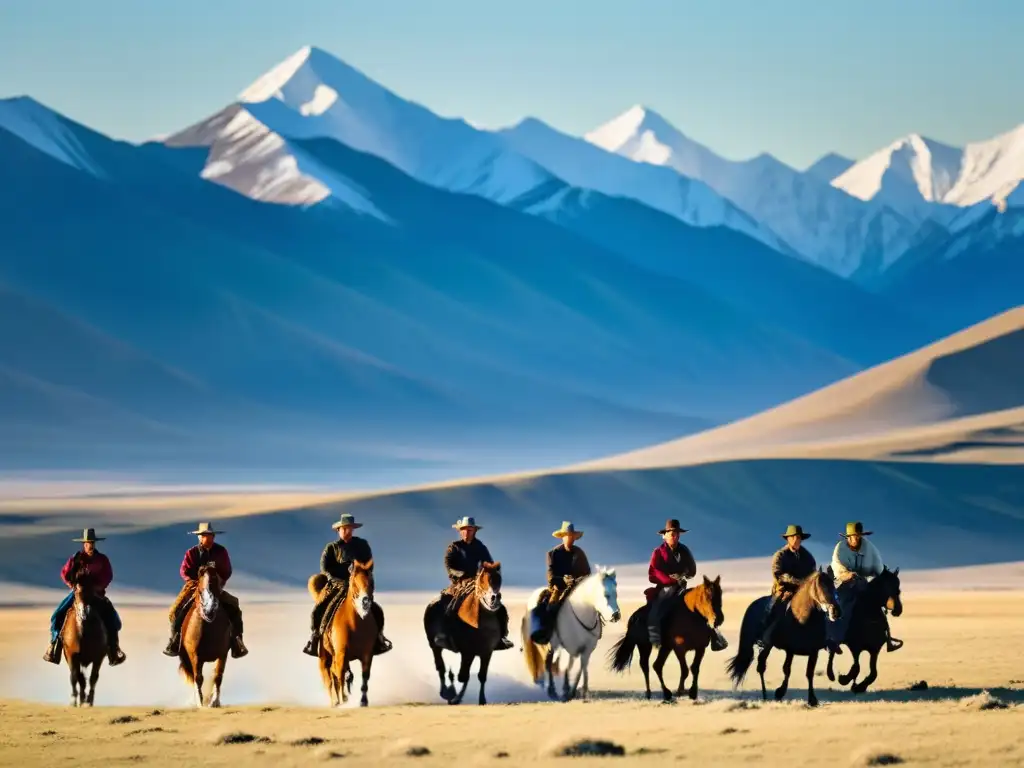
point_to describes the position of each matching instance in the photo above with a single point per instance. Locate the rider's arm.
(224, 566)
(452, 562)
(582, 564)
(104, 573)
(65, 572)
(688, 563)
(778, 572)
(873, 562)
(189, 570)
(839, 569)
(554, 580)
(656, 573)
(367, 553)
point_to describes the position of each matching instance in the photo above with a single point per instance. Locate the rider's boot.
(891, 643)
(383, 645)
(503, 643)
(115, 655)
(52, 654)
(238, 649)
(313, 646)
(174, 643)
(718, 641)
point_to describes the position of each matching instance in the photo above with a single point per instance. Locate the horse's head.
(888, 585)
(605, 593)
(488, 585)
(822, 590)
(709, 601)
(360, 587)
(84, 590)
(209, 586)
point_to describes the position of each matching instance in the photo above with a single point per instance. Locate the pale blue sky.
(794, 77)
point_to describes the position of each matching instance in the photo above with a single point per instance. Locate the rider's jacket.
(564, 562)
(98, 566)
(462, 560)
(865, 561)
(667, 563)
(196, 557)
(338, 556)
(789, 569)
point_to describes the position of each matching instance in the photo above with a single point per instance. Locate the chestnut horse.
(351, 636)
(867, 627)
(800, 632)
(687, 628)
(475, 632)
(205, 635)
(84, 639)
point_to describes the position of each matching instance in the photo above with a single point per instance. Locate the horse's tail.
(738, 665)
(316, 584)
(185, 668)
(531, 652)
(621, 654)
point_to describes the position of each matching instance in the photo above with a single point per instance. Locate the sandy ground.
(961, 643)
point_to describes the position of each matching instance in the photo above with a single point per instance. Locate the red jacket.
(196, 557)
(665, 563)
(97, 566)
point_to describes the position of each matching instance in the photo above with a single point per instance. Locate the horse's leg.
(644, 652)
(218, 675)
(585, 670)
(565, 680)
(812, 662)
(787, 667)
(584, 659)
(447, 689)
(464, 667)
(326, 661)
(366, 663)
(698, 657)
(659, 665)
(481, 675)
(75, 673)
(338, 670)
(854, 671)
(94, 675)
(684, 670)
(828, 670)
(872, 672)
(762, 665)
(549, 662)
(81, 684)
(197, 666)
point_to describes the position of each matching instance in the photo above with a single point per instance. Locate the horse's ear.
(707, 581)
(718, 579)
(897, 571)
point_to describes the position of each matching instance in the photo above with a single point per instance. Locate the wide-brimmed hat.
(795, 530)
(466, 522)
(567, 529)
(204, 528)
(856, 529)
(89, 534)
(346, 519)
(671, 525)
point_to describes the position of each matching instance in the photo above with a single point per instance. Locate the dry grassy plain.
(961, 643)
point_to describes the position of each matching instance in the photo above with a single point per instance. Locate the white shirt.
(865, 562)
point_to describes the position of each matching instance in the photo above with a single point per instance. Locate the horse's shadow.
(831, 695)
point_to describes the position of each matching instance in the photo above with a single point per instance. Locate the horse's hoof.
(812, 702)
(780, 694)
(830, 675)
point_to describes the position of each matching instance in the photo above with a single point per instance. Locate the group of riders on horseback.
(854, 560)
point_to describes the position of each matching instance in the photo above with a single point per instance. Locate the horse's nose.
(616, 616)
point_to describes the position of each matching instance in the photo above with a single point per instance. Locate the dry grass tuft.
(872, 756)
(583, 748)
(240, 737)
(308, 741)
(404, 748)
(982, 702)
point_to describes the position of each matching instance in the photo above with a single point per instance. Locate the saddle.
(333, 601)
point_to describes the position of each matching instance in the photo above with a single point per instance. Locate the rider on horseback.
(855, 560)
(567, 565)
(790, 566)
(96, 565)
(671, 565)
(462, 559)
(336, 564)
(206, 552)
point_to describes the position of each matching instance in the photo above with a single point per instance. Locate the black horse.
(868, 628)
(800, 632)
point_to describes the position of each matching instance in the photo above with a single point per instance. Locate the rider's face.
(568, 541)
(88, 547)
(671, 538)
(345, 533)
(853, 541)
(206, 540)
(467, 534)
(794, 542)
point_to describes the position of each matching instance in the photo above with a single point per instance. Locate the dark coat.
(564, 562)
(666, 563)
(338, 557)
(789, 569)
(197, 557)
(462, 560)
(98, 567)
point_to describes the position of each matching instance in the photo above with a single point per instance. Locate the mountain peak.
(630, 126)
(829, 166)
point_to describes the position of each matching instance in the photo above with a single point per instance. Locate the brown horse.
(687, 628)
(352, 635)
(868, 628)
(84, 639)
(205, 635)
(475, 632)
(800, 632)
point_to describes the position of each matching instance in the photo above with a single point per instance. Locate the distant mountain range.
(326, 277)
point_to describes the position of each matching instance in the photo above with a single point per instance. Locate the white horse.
(577, 629)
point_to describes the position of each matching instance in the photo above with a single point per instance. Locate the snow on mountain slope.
(586, 166)
(36, 124)
(823, 224)
(829, 166)
(914, 174)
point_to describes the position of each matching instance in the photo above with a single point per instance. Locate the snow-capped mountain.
(823, 224)
(37, 125)
(828, 166)
(586, 166)
(916, 174)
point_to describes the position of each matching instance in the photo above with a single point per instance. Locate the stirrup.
(115, 657)
(173, 645)
(238, 649)
(892, 645)
(52, 654)
(504, 644)
(383, 645)
(312, 647)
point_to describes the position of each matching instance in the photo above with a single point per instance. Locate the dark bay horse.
(687, 628)
(475, 632)
(205, 635)
(84, 639)
(800, 632)
(352, 635)
(867, 629)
